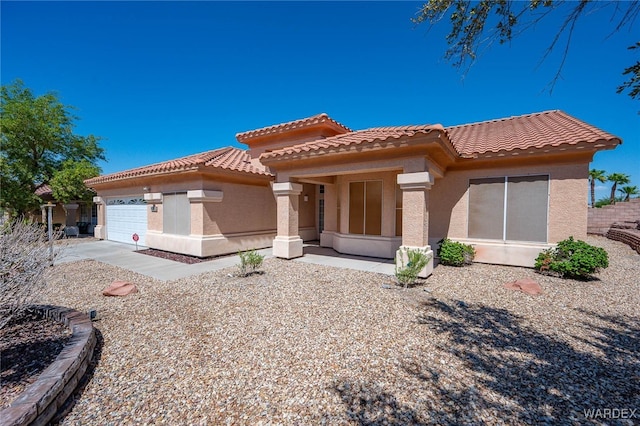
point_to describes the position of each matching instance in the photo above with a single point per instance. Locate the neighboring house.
(73, 214)
(510, 187)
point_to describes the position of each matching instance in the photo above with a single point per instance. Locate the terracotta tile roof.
(360, 137)
(526, 132)
(43, 189)
(296, 124)
(229, 158)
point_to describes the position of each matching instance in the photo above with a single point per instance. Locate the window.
(176, 213)
(398, 211)
(509, 208)
(365, 208)
(320, 215)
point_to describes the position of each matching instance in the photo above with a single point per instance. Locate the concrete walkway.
(124, 256)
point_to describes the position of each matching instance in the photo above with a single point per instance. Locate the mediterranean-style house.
(510, 187)
(79, 214)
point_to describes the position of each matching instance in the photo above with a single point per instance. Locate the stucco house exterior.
(510, 187)
(78, 214)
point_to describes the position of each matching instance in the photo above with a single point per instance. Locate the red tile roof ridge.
(300, 123)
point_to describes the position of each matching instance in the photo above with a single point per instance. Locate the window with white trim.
(512, 208)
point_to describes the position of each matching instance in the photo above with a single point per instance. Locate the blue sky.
(160, 80)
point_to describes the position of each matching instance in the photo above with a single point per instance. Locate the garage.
(126, 216)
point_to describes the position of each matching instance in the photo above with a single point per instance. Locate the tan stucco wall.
(246, 216)
(567, 199)
(244, 208)
(307, 209)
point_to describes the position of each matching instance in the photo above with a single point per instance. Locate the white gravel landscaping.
(309, 344)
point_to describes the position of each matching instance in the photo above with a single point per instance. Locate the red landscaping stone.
(120, 288)
(525, 285)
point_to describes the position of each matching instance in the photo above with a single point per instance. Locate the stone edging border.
(40, 401)
(630, 237)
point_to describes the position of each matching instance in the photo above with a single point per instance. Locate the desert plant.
(627, 191)
(416, 260)
(595, 175)
(572, 259)
(250, 261)
(25, 255)
(617, 179)
(454, 253)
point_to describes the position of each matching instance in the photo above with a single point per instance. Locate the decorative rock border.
(40, 401)
(630, 237)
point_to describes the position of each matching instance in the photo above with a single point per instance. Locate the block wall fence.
(600, 219)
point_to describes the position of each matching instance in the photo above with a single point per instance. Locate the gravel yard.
(308, 344)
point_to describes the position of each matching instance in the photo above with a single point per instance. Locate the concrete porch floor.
(124, 256)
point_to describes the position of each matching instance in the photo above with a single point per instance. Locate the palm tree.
(595, 175)
(628, 191)
(617, 179)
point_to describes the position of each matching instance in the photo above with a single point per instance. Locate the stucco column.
(100, 230)
(415, 216)
(287, 244)
(330, 215)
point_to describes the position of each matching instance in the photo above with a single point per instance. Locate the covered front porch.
(371, 211)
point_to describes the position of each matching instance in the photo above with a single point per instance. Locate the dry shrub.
(24, 259)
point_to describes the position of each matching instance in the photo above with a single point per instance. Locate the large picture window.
(365, 207)
(509, 208)
(176, 213)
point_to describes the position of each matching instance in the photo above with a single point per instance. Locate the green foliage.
(454, 253)
(596, 175)
(633, 83)
(416, 260)
(36, 139)
(604, 201)
(68, 184)
(617, 179)
(250, 261)
(475, 26)
(627, 191)
(572, 259)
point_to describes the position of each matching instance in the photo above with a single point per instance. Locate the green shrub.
(250, 261)
(453, 253)
(407, 274)
(572, 259)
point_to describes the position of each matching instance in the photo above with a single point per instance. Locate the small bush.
(24, 258)
(407, 274)
(572, 259)
(250, 261)
(453, 253)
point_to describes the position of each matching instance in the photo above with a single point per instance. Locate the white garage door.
(125, 217)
